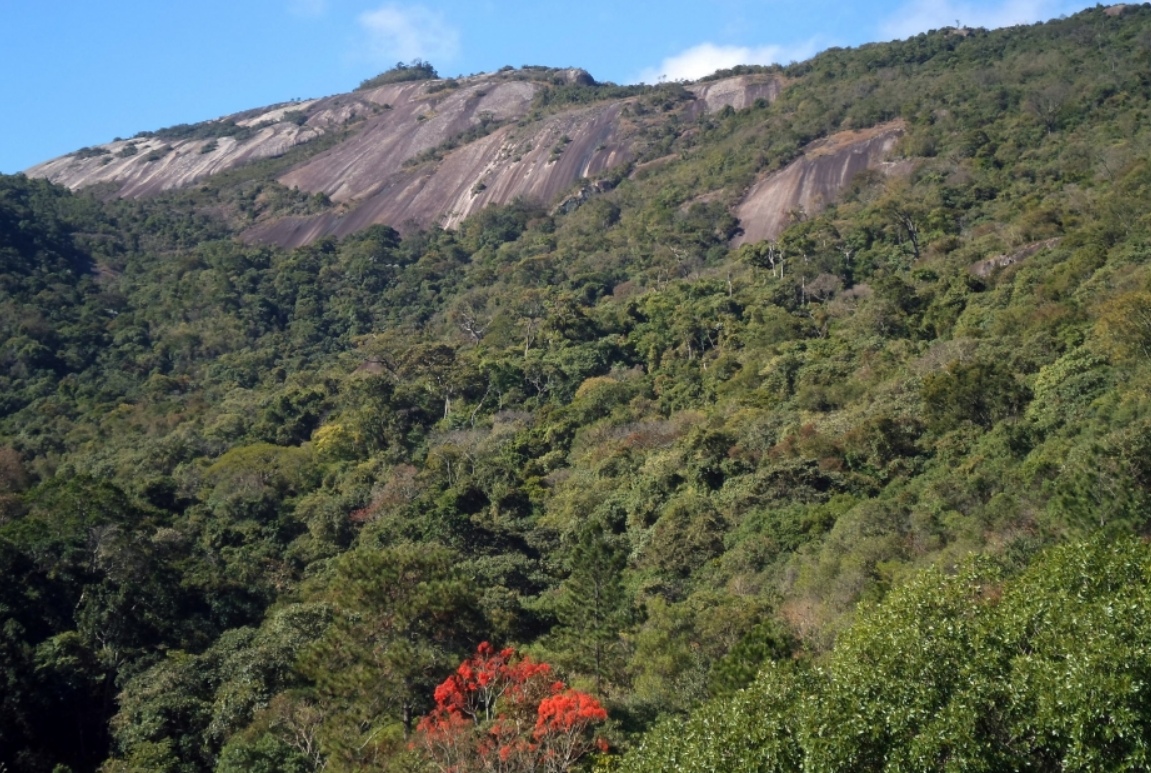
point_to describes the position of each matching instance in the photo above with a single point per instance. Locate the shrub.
(83, 153)
(980, 392)
(417, 70)
(298, 117)
(445, 85)
(200, 131)
(1045, 671)
(158, 153)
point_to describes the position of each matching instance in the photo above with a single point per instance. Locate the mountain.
(413, 154)
(810, 430)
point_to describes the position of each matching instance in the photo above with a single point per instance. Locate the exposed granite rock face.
(130, 165)
(581, 195)
(813, 180)
(987, 266)
(424, 152)
(577, 76)
(533, 161)
(738, 92)
(415, 122)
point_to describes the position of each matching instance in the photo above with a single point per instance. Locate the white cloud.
(922, 15)
(706, 58)
(402, 33)
(308, 8)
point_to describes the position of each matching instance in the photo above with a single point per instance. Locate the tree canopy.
(867, 495)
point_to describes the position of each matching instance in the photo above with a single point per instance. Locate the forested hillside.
(257, 505)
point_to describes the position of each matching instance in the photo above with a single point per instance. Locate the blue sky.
(80, 73)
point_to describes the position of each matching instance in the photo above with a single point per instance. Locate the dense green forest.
(834, 502)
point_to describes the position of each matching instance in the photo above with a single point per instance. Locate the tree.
(964, 672)
(416, 70)
(980, 392)
(1047, 671)
(403, 615)
(503, 713)
(593, 606)
(190, 705)
(84, 597)
(767, 642)
(905, 210)
(1125, 324)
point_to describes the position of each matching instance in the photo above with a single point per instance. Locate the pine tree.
(593, 608)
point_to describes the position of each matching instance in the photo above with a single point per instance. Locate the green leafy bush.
(973, 669)
(416, 70)
(84, 153)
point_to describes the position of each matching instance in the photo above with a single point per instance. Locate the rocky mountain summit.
(415, 153)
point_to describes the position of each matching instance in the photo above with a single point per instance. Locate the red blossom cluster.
(501, 713)
(486, 677)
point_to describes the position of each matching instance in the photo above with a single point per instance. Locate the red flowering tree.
(502, 713)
